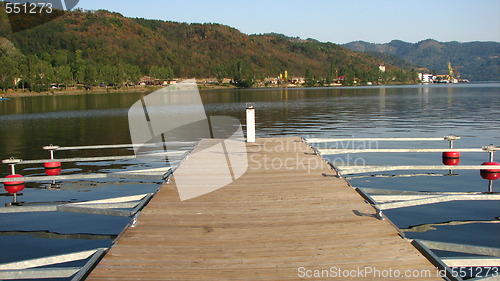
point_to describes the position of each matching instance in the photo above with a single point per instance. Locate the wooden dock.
(276, 222)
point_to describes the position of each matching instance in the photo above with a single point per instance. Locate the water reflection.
(471, 111)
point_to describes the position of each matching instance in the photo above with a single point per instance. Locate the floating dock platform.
(286, 218)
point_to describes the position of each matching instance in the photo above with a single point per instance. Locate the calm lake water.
(471, 111)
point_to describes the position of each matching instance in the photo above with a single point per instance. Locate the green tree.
(132, 74)
(79, 67)
(60, 58)
(170, 72)
(164, 73)
(154, 72)
(8, 71)
(220, 73)
(109, 75)
(243, 75)
(24, 74)
(90, 75)
(42, 74)
(310, 80)
(328, 79)
(63, 75)
(161, 72)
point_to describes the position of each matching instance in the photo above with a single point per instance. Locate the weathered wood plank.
(266, 225)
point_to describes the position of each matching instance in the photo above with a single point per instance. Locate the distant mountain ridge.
(478, 61)
(91, 47)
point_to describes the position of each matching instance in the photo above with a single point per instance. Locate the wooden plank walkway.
(281, 218)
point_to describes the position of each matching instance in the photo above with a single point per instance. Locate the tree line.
(39, 73)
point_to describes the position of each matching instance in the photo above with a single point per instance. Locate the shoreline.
(149, 89)
(97, 91)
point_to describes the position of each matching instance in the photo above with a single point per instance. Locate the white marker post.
(250, 122)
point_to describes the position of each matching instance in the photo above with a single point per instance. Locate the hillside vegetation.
(479, 61)
(100, 47)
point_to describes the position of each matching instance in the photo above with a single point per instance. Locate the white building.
(426, 78)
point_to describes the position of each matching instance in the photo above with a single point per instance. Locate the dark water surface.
(470, 111)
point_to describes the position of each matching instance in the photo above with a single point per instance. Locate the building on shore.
(426, 78)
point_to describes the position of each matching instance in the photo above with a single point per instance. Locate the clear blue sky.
(337, 21)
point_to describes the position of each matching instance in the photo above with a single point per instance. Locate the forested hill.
(479, 61)
(85, 46)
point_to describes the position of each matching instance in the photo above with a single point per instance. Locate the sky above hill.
(376, 21)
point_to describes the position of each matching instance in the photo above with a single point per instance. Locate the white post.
(250, 123)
